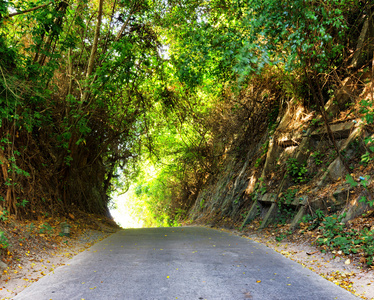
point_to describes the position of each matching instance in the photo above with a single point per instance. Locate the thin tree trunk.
(91, 60)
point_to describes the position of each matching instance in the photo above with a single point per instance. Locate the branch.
(95, 42)
(27, 10)
(91, 60)
(124, 26)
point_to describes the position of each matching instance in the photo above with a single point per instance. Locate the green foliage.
(286, 210)
(272, 118)
(4, 242)
(151, 94)
(313, 220)
(317, 157)
(46, 228)
(316, 122)
(364, 182)
(367, 111)
(4, 215)
(294, 34)
(337, 237)
(367, 158)
(365, 200)
(23, 203)
(297, 170)
(332, 225)
(260, 186)
(282, 236)
(180, 214)
(202, 203)
(264, 150)
(288, 197)
(30, 228)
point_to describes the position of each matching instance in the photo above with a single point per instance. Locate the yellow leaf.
(258, 281)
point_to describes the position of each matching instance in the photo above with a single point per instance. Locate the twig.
(27, 10)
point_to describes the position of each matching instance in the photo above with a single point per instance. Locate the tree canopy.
(91, 90)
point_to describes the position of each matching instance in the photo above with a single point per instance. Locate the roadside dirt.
(37, 248)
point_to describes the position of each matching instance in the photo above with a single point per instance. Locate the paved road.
(188, 263)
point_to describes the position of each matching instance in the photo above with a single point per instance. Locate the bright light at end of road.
(123, 214)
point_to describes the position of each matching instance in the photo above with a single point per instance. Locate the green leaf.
(351, 181)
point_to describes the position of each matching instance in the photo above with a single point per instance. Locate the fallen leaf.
(363, 260)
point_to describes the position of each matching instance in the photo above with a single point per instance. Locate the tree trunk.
(91, 60)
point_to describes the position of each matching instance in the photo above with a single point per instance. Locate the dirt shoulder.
(36, 248)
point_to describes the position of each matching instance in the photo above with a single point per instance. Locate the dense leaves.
(88, 89)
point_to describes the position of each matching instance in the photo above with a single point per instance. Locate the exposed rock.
(357, 208)
(268, 197)
(341, 195)
(364, 47)
(303, 150)
(335, 171)
(285, 140)
(356, 133)
(296, 220)
(271, 157)
(253, 212)
(342, 96)
(340, 131)
(270, 216)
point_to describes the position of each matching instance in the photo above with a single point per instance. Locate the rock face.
(294, 175)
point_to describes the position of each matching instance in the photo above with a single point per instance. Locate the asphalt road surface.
(186, 263)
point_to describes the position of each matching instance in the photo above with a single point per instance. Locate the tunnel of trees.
(93, 92)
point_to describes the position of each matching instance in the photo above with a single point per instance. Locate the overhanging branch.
(27, 10)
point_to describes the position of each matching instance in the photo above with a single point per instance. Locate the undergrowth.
(336, 236)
